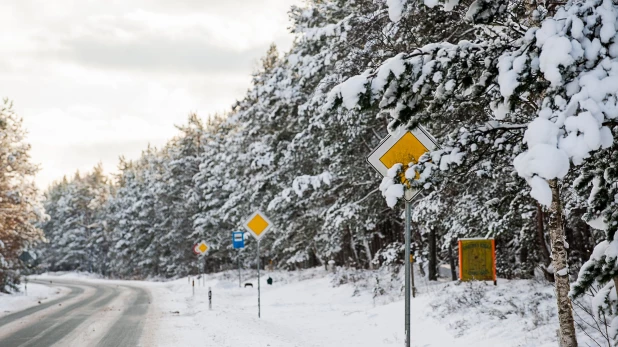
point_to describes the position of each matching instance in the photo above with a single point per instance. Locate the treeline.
(519, 94)
(287, 149)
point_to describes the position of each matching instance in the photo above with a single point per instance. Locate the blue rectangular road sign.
(238, 239)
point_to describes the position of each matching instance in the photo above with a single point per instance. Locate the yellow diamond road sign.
(403, 147)
(202, 248)
(258, 224)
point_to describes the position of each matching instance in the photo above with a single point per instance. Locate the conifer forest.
(521, 97)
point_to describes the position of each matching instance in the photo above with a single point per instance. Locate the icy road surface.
(89, 314)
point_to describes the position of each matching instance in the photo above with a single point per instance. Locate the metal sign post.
(238, 241)
(258, 224)
(407, 268)
(403, 147)
(258, 266)
(204, 273)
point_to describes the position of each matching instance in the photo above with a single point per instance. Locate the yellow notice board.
(477, 260)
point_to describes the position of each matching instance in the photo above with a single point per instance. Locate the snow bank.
(355, 308)
(21, 300)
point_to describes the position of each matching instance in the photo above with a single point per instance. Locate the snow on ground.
(37, 293)
(356, 308)
(304, 308)
(69, 275)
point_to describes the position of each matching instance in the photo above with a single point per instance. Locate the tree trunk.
(368, 253)
(540, 232)
(561, 274)
(432, 256)
(452, 261)
(353, 248)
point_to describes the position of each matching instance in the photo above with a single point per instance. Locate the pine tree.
(20, 208)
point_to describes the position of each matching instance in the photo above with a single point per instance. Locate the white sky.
(94, 80)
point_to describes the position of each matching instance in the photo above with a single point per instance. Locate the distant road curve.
(60, 319)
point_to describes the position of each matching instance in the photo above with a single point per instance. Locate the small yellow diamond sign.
(403, 147)
(201, 248)
(258, 224)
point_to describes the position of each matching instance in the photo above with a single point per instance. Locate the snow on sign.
(403, 147)
(258, 224)
(201, 248)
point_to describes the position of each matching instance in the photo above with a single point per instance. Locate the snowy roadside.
(37, 294)
(349, 308)
(304, 308)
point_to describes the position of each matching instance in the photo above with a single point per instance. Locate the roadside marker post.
(209, 298)
(257, 225)
(238, 241)
(405, 147)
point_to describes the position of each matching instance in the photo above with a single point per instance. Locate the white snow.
(509, 69)
(598, 223)
(543, 160)
(449, 5)
(349, 91)
(395, 9)
(555, 53)
(349, 308)
(305, 308)
(394, 65)
(540, 190)
(390, 190)
(584, 136)
(21, 300)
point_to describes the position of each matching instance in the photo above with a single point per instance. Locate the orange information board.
(477, 260)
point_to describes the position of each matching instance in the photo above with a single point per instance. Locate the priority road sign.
(258, 224)
(405, 147)
(201, 248)
(238, 239)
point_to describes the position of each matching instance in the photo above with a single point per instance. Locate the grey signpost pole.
(258, 266)
(258, 224)
(204, 271)
(407, 269)
(239, 281)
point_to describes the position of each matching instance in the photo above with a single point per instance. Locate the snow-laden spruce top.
(570, 58)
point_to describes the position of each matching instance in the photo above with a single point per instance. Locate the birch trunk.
(561, 275)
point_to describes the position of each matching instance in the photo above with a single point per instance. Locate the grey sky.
(94, 80)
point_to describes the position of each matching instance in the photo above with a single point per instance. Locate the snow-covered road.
(91, 313)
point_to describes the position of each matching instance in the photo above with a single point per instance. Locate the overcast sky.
(94, 80)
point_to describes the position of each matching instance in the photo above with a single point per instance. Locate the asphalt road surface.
(91, 314)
